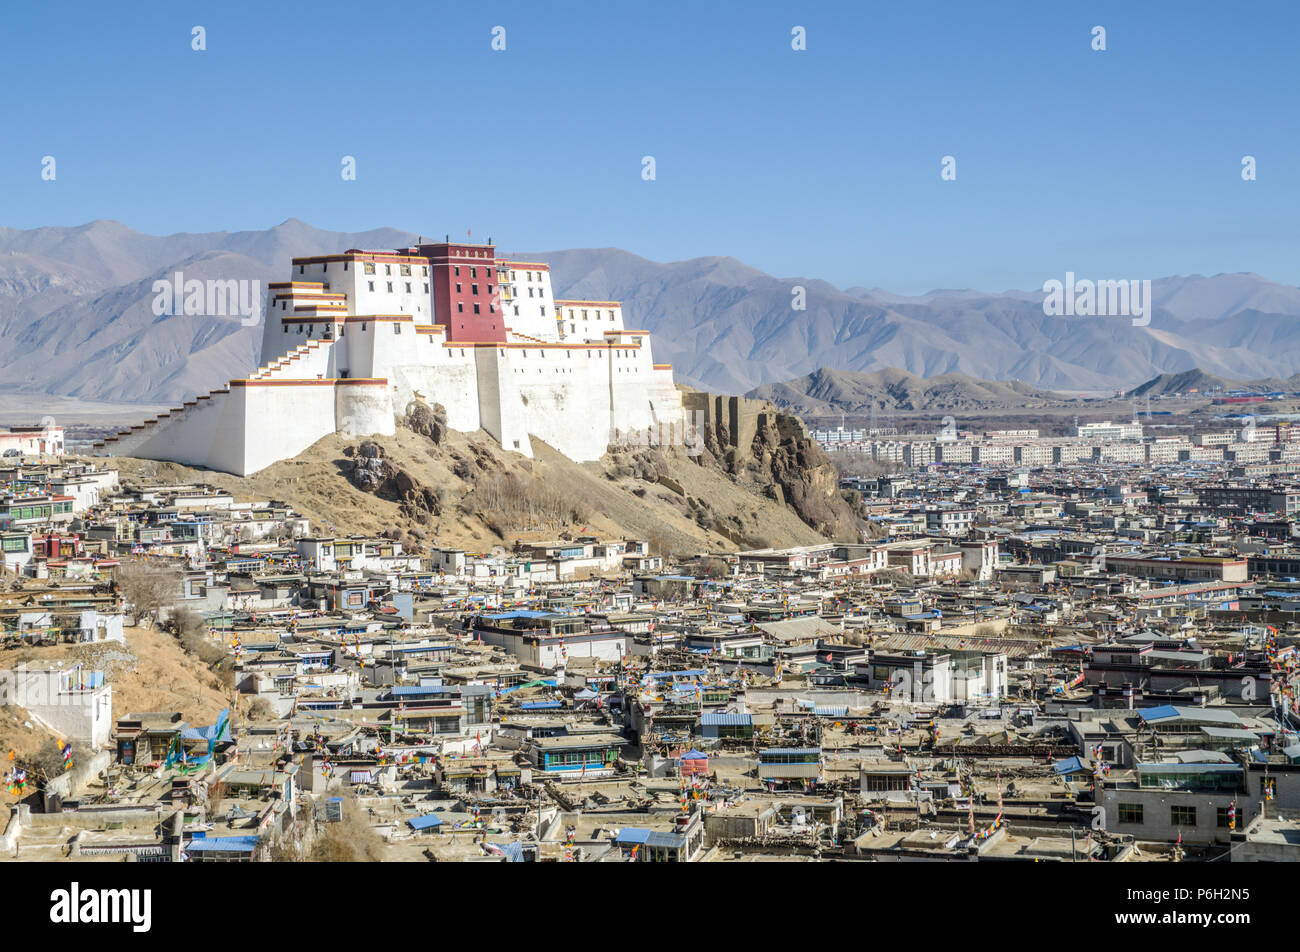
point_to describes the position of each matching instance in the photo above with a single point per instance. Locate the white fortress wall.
(208, 432)
(285, 417)
(448, 377)
(358, 343)
(563, 393)
(500, 409)
(364, 408)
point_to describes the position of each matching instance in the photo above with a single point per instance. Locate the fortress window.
(285, 328)
(390, 287)
(584, 313)
(543, 310)
(397, 328)
(388, 269)
(370, 267)
(475, 308)
(492, 308)
(489, 289)
(302, 269)
(611, 315)
(460, 308)
(345, 266)
(406, 269)
(372, 285)
(473, 289)
(458, 287)
(516, 310)
(458, 271)
(284, 306)
(424, 271)
(426, 287)
(473, 273)
(325, 267)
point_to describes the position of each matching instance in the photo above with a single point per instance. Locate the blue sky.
(822, 163)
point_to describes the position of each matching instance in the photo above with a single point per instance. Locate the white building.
(355, 337)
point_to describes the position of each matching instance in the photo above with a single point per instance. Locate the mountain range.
(76, 319)
(844, 391)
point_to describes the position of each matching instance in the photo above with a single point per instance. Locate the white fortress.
(353, 338)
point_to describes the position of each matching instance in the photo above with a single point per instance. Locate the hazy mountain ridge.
(835, 391)
(75, 318)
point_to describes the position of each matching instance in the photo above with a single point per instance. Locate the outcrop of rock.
(372, 473)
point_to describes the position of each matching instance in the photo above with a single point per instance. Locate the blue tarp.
(213, 732)
(426, 822)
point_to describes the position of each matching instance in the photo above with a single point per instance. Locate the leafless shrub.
(510, 502)
(147, 589)
(349, 840)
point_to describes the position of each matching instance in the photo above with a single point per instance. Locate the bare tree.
(147, 589)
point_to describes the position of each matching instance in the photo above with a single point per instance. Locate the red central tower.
(466, 299)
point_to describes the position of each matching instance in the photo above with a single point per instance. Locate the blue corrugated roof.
(632, 834)
(1158, 713)
(720, 719)
(790, 750)
(426, 822)
(240, 844)
(540, 705)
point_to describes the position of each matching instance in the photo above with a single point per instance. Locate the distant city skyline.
(823, 162)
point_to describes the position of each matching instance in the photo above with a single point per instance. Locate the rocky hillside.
(428, 484)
